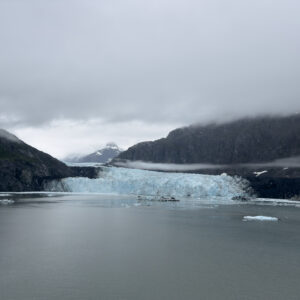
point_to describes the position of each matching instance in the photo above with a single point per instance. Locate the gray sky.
(77, 74)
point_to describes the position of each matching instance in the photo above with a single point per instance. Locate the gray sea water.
(108, 247)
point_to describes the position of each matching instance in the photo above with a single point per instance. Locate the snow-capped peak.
(103, 155)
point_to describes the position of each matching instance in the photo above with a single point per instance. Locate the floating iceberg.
(259, 218)
(113, 180)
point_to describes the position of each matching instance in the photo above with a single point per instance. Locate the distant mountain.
(261, 139)
(24, 168)
(104, 155)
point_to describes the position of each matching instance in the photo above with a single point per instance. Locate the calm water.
(90, 247)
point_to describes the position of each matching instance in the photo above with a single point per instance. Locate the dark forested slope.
(24, 168)
(254, 140)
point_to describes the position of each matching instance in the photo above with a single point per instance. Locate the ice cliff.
(114, 180)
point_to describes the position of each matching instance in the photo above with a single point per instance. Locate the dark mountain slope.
(24, 168)
(254, 140)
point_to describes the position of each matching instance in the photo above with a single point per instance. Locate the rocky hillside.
(24, 168)
(254, 140)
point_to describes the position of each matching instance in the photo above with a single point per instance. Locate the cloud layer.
(150, 60)
(164, 62)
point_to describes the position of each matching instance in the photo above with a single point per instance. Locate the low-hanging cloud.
(181, 61)
(280, 163)
(8, 136)
(165, 166)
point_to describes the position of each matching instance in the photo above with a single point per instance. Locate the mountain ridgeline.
(24, 168)
(256, 140)
(104, 155)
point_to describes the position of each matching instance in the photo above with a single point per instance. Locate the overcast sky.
(77, 74)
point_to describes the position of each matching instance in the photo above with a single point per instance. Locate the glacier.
(124, 181)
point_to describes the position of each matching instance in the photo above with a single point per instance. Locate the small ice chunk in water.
(259, 218)
(6, 201)
(260, 173)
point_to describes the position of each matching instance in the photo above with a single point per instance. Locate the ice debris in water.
(6, 201)
(259, 218)
(260, 173)
(114, 180)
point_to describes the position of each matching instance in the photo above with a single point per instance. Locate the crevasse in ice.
(114, 180)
